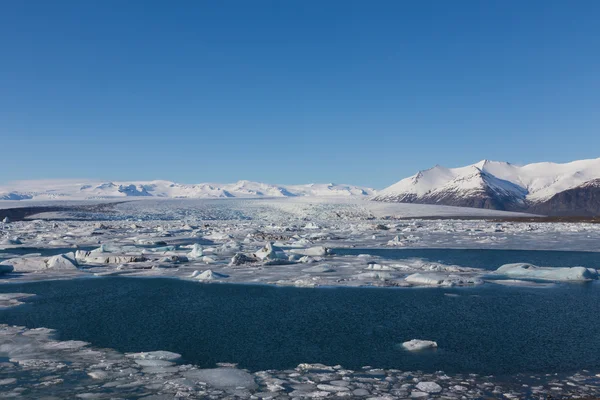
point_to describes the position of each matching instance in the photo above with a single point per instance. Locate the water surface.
(489, 259)
(489, 329)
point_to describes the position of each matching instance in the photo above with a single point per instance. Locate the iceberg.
(523, 270)
(62, 261)
(270, 252)
(207, 275)
(417, 344)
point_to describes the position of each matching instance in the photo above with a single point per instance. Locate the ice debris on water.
(417, 344)
(38, 366)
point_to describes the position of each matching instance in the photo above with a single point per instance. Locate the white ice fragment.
(311, 225)
(196, 251)
(317, 251)
(223, 378)
(62, 261)
(374, 275)
(439, 279)
(429, 387)
(417, 344)
(379, 267)
(523, 270)
(155, 355)
(322, 268)
(241, 259)
(270, 252)
(207, 275)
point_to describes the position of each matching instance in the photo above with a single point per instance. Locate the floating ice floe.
(223, 378)
(92, 257)
(155, 355)
(33, 264)
(417, 344)
(12, 299)
(322, 268)
(317, 251)
(523, 270)
(379, 267)
(440, 279)
(374, 275)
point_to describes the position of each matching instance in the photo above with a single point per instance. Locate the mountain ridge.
(87, 190)
(501, 185)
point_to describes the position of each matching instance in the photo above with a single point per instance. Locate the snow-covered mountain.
(79, 190)
(504, 186)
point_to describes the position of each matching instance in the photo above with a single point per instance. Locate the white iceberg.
(62, 261)
(523, 270)
(270, 252)
(417, 344)
(207, 275)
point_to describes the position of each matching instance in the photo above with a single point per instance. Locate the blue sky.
(297, 91)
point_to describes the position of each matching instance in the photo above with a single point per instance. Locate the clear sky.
(293, 91)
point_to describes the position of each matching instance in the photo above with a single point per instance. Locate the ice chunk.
(429, 387)
(223, 378)
(62, 261)
(155, 355)
(323, 268)
(379, 267)
(93, 257)
(311, 226)
(241, 258)
(417, 344)
(207, 275)
(523, 270)
(438, 279)
(311, 251)
(196, 251)
(374, 275)
(270, 252)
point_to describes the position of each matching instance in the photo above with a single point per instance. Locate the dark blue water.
(486, 258)
(489, 329)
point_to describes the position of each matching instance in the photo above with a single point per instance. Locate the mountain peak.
(491, 184)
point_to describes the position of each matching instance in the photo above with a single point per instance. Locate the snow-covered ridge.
(83, 190)
(532, 183)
